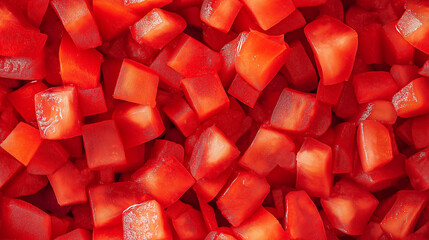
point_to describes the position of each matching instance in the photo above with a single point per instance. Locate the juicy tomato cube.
(374, 144)
(396, 49)
(136, 83)
(22, 99)
(334, 46)
(314, 168)
(103, 145)
(189, 224)
(379, 110)
(417, 167)
(376, 85)
(91, 101)
(165, 179)
(57, 113)
(329, 94)
(213, 153)
(143, 6)
(22, 143)
(349, 207)
(24, 184)
(208, 188)
(412, 99)
(419, 131)
(146, 221)
(243, 91)
(269, 13)
(242, 197)
(157, 28)
(183, 116)
(9, 166)
(23, 68)
(48, 158)
(164, 147)
(404, 74)
(220, 14)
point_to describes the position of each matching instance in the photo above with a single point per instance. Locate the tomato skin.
(412, 99)
(334, 61)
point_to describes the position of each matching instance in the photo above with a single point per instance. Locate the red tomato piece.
(183, 116)
(78, 21)
(334, 45)
(314, 168)
(157, 28)
(403, 216)
(108, 201)
(243, 91)
(412, 99)
(48, 158)
(23, 68)
(208, 215)
(267, 150)
(189, 224)
(103, 145)
(358, 18)
(37, 224)
(77, 234)
(260, 226)
(414, 25)
(9, 166)
(216, 39)
(73, 146)
(220, 14)
(59, 226)
(192, 58)
(349, 207)
(229, 54)
(136, 83)
(146, 221)
(163, 147)
(242, 197)
(269, 13)
(420, 131)
(69, 185)
(370, 48)
(137, 124)
(417, 167)
(22, 143)
(108, 233)
(320, 120)
(205, 94)
(143, 6)
(213, 153)
(376, 85)
(424, 70)
(258, 67)
(57, 113)
(208, 188)
(343, 147)
(301, 215)
(293, 111)
(308, 3)
(141, 53)
(379, 110)
(329, 94)
(166, 179)
(396, 49)
(91, 101)
(404, 74)
(24, 184)
(22, 99)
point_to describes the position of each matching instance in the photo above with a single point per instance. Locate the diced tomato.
(420, 131)
(243, 91)
(22, 99)
(269, 13)
(208, 215)
(183, 116)
(370, 48)
(73, 146)
(208, 188)
(108, 233)
(9, 166)
(48, 158)
(220, 14)
(395, 49)
(189, 224)
(412, 100)
(59, 226)
(143, 6)
(23, 68)
(77, 234)
(91, 101)
(379, 110)
(376, 85)
(163, 147)
(417, 166)
(329, 94)
(24, 184)
(343, 148)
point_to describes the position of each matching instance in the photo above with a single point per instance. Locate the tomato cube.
(146, 221)
(404, 74)
(48, 158)
(24, 184)
(417, 166)
(164, 147)
(229, 54)
(208, 188)
(412, 99)
(379, 110)
(349, 207)
(396, 49)
(242, 197)
(57, 113)
(157, 28)
(183, 116)
(420, 131)
(206, 95)
(243, 91)
(23, 68)
(165, 179)
(343, 147)
(78, 21)
(370, 48)
(301, 215)
(22, 99)
(259, 67)
(79, 67)
(77, 234)
(267, 150)
(260, 226)
(329, 94)
(103, 145)
(314, 168)
(73, 146)
(376, 85)
(189, 224)
(208, 214)
(220, 14)
(269, 13)
(59, 226)
(136, 83)
(91, 101)
(9, 166)
(334, 46)
(213, 153)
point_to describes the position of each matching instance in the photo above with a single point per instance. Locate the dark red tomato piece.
(73, 146)
(302, 215)
(320, 120)
(208, 188)
(137, 124)
(329, 94)
(374, 144)
(108, 201)
(395, 49)
(206, 95)
(79, 67)
(242, 197)
(37, 224)
(216, 39)
(22, 99)
(403, 216)
(77, 234)
(164, 147)
(23, 68)
(314, 168)
(57, 113)
(293, 111)
(404, 74)
(243, 91)
(412, 99)
(208, 214)
(176, 209)
(308, 3)
(376, 85)
(189, 224)
(420, 131)
(268, 149)
(183, 116)
(379, 110)
(417, 167)
(370, 48)
(292, 22)
(372, 231)
(213, 153)
(9, 166)
(141, 53)
(48, 158)
(108, 233)
(258, 67)
(347, 105)
(262, 225)
(91, 101)
(343, 147)
(220, 14)
(59, 226)
(136, 83)
(165, 179)
(69, 185)
(269, 13)
(103, 145)
(157, 28)
(334, 46)
(349, 207)
(22, 143)
(78, 21)
(24, 184)
(146, 221)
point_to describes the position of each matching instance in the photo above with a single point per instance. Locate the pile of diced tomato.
(214, 119)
